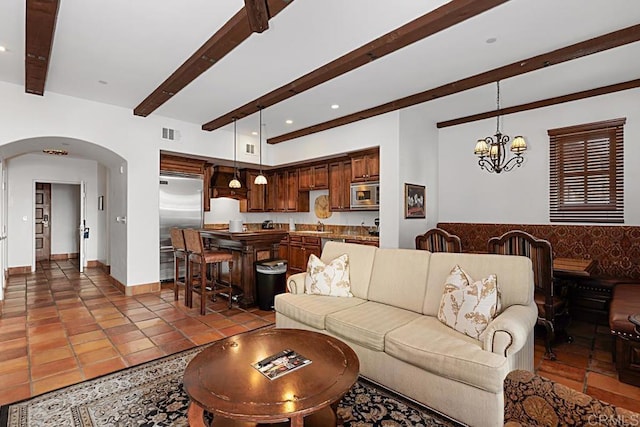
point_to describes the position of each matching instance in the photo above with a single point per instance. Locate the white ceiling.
(134, 45)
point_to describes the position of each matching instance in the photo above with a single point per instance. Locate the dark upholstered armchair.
(438, 240)
(531, 400)
(550, 306)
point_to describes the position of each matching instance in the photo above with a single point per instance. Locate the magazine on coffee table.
(281, 363)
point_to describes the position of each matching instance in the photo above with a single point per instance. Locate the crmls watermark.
(614, 420)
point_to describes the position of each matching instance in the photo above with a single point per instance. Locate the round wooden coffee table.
(222, 380)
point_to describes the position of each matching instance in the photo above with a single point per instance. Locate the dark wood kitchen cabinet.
(282, 193)
(314, 177)
(283, 249)
(340, 185)
(271, 196)
(365, 166)
(255, 193)
(300, 247)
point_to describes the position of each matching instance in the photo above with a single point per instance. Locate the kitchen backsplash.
(223, 209)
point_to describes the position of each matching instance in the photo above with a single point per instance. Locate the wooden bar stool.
(205, 259)
(180, 254)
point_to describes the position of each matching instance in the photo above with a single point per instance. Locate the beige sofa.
(391, 323)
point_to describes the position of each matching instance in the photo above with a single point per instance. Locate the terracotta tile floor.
(586, 365)
(59, 327)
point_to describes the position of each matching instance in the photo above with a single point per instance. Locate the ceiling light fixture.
(260, 179)
(335, 106)
(492, 152)
(55, 151)
(289, 121)
(3, 49)
(235, 182)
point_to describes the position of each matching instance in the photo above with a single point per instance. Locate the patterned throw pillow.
(328, 279)
(467, 305)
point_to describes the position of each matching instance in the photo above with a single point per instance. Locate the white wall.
(468, 194)
(465, 192)
(65, 218)
(102, 228)
(418, 165)
(22, 174)
(134, 192)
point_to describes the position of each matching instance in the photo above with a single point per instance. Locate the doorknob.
(45, 221)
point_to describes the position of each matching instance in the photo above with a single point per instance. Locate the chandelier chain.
(260, 139)
(498, 107)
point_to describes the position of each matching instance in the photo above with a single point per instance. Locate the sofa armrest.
(508, 332)
(295, 284)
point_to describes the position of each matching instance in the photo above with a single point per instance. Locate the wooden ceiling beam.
(40, 25)
(603, 90)
(232, 34)
(446, 16)
(568, 53)
(257, 14)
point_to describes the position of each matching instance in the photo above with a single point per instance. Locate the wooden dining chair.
(552, 309)
(180, 258)
(438, 240)
(201, 261)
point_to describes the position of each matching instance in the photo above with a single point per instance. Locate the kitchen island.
(247, 247)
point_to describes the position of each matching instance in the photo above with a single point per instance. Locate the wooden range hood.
(219, 186)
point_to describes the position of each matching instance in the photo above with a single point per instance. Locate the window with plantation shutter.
(586, 172)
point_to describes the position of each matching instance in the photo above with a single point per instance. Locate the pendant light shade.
(260, 179)
(235, 182)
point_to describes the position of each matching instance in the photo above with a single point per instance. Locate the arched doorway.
(97, 173)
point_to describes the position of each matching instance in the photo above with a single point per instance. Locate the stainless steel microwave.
(365, 195)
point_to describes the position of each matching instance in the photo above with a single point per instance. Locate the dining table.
(573, 267)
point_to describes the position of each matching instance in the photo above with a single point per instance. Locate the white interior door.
(83, 230)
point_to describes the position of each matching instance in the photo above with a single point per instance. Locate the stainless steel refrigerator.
(180, 206)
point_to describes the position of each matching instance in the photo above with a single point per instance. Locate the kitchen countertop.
(335, 235)
(340, 233)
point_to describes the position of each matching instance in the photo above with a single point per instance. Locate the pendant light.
(492, 152)
(260, 179)
(235, 182)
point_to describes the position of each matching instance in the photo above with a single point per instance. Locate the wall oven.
(365, 195)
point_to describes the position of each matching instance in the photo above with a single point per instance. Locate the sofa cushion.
(469, 308)
(328, 279)
(360, 263)
(400, 278)
(514, 273)
(434, 347)
(368, 323)
(312, 309)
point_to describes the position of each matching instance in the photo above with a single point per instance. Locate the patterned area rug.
(151, 394)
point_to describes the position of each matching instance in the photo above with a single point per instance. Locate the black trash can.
(271, 279)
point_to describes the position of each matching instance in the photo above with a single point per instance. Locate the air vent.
(250, 149)
(169, 134)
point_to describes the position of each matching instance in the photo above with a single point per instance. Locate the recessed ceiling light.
(3, 49)
(491, 40)
(254, 133)
(55, 151)
(288, 121)
(335, 106)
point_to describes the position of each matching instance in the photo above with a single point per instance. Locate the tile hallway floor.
(59, 327)
(586, 365)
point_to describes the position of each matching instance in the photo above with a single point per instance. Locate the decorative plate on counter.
(321, 207)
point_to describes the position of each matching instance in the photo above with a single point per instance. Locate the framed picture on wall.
(415, 201)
